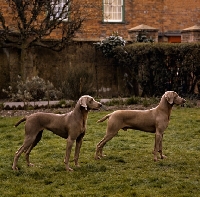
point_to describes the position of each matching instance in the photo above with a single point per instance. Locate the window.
(113, 10)
(58, 11)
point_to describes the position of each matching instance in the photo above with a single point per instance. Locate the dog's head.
(173, 98)
(88, 102)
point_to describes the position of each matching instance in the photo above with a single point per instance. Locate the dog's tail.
(104, 118)
(20, 121)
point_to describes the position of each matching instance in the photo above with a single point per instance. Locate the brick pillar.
(150, 32)
(191, 34)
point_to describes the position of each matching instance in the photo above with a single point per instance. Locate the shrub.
(33, 89)
(1, 106)
(78, 82)
(133, 100)
(159, 67)
(143, 37)
(113, 102)
(107, 45)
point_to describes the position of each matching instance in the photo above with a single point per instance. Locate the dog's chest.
(83, 126)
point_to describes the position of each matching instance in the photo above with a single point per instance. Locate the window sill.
(113, 22)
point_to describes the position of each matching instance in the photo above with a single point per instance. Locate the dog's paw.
(155, 158)
(77, 165)
(163, 157)
(69, 169)
(30, 164)
(15, 168)
(97, 157)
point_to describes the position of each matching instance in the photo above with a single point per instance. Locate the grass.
(128, 169)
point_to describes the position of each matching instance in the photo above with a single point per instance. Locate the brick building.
(169, 17)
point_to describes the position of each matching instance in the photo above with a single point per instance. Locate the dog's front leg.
(68, 152)
(79, 141)
(158, 139)
(160, 149)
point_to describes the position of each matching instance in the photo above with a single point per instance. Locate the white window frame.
(113, 10)
(58, 8)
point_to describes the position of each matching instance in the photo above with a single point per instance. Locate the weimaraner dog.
(71, 126)
(154, 121)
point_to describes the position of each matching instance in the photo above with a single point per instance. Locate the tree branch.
(35, 20)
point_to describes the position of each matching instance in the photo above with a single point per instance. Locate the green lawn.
(128, 169)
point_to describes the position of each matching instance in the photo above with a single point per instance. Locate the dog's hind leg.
(101, 144)
(27, 153)
(99, 150)
(26, 145)
(18, 154)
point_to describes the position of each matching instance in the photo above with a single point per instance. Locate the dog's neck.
(81, 113)
(164, 104)
(84, 113)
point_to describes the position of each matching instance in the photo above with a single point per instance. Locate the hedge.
(157, 67)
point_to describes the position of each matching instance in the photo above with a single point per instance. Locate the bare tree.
(34, 21)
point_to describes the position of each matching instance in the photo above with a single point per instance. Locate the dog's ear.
(83, 101)
(169, 95)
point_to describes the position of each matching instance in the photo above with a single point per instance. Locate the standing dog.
(154, 121)
(71, 126)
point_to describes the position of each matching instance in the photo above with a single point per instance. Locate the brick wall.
(165, 15)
